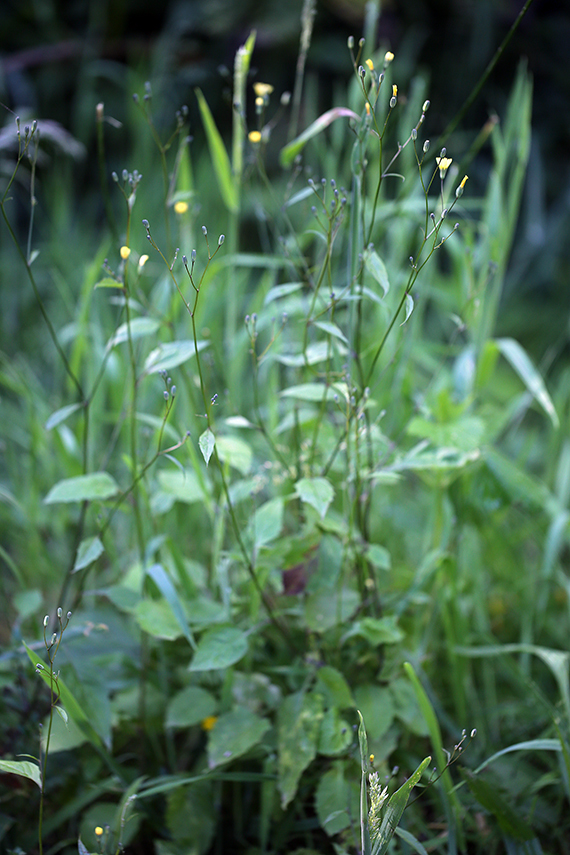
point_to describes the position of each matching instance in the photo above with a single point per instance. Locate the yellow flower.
(99, 831)
(394, 91)
(370, 64)
(388, 57)
(259, 101)
(367, 106)
(142, 261)
(444, 163)
(181, 207)
(464, 181)
(262, 89)
(254, 137)
(124, 252)
(209, 722)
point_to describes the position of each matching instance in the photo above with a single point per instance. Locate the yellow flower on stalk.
(464, 181)
(370, 64)
(394, 91)
(254, 137)
(181, 207)
(124, 252)
(259, 101)
(388, 57)
(444, 163)
(142, 261)
(262, 90)
(99, 831)
(209, 722)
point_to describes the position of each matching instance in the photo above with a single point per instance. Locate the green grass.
(279, 477)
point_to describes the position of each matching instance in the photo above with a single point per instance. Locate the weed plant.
(289, 479)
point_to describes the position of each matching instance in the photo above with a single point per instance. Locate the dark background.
(58, 59)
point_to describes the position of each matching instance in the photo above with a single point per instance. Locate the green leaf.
(520, 361)
(377, 269)
(93, 487)
(164, 584)
(283, 290)
(327, 608)
(236, 451)
(316, 392)
(490, 798)
(24, 768)
(183, 486)
(219, 156)
(266, 523)
(298, 725)
(330, 329)
(172, 353)
(139, 328)
(89, 551)
(107, 282)
(376, 705)
(156, 618)
(336, 800)
(207, 442)
(290, 152)
(394, 810)
(408, 308)
(335, 735)
(234, 734)
(189, 707)
(61, 415)
(376, 631)
(317, 492)
(334, 687)
(218, 648)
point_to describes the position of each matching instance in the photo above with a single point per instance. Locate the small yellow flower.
(444, 163)
(124, 252)
(259, 101)
(181, 207)
(262, 90)
(254, 137)
(367, 106)
(142, 261)
(464, 181)
(99, 831)
(209, 722)
(388, 57)
(372, 758)
(394, 91)
(370, 64)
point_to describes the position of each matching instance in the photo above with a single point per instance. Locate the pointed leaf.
(394, 810)
(317, 492)
(219, 648)
(377, 269)
(164, 584)
(24, 768)
(172, 353)
(89, 551)
(298, 725)
(520, 361)
(290, 152)
(96, 486)
(234, 734)
(109, 283)
(408, 307)
(61, 415)
(207, 442)
(219, 156)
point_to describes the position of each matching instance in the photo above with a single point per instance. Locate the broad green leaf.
(327, 608)
(376, 631)
(336, 800)
(139, 328)
(236, 452)
(183, 486)
(207, 442)
(219, 156)
(378, 556)
(107, 282)
(377, 269)
(314, 353)
(491, 799)
(189, 707)
(164, 584)
(376, 705)
(218, 648)
(61, 415)
(394, 810)
(156, 618)
(172, 353)
(279, 291)
(520, 361)
(330, 329)
(298, 724)
(334, 687)
(335, 735)
(89, 551)
(266, 523)
(290, 152)
(316, 392)
(24, 768)
(317, 492)
(93, 487)
(234, 734)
